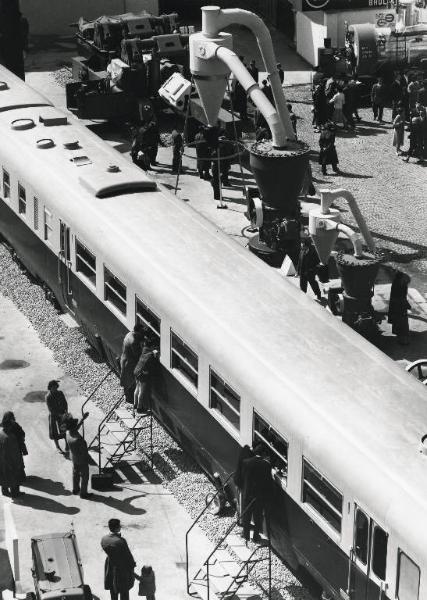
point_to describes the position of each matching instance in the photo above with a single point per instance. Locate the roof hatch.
(115, 181)
(52, 118)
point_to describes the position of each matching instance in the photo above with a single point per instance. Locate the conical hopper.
(211, 92)
(323, 232)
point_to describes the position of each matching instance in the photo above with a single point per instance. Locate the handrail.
(100, 426)
(245, 564)
(93, 392)
(197, 520)
(106, 416)
(227, 533)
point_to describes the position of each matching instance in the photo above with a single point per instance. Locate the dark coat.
(328, 153)
(308, 261)
(147, 583)
(119, 564)
(11, 463)
(257, 480)
(245, 452)
(131, 352)
(57, 406)
(399, 305)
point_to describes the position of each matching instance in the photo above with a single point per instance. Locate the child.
(147, 582)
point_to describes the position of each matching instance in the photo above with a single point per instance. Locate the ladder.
(118, 433)
(225, 572)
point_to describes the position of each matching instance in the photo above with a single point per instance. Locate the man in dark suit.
(119, 564)
(256, 490)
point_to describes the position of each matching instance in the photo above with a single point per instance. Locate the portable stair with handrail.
(118, 433)
(225, 572)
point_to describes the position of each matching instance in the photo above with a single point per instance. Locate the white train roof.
(354, 411)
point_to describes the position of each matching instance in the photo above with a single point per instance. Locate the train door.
(368, 560)
(64, 265)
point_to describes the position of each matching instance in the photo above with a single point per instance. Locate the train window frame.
(109, 290)
(36, 215)
(375, 528)
(153, 324)
(82, 261)
(257, 437)
(22, 200)
(47, 225)
(326, 503)
(177, 358)
(6, 184)
(401, 554)
(223, 400)
(363, 560)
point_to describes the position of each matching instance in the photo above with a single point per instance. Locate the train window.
(85, 262)
(146, 317)
(361, 536)
(322, 496)
(224, 400)
(379, 552)
(408, 582)
(6, 184)
(184, 359)
(114, 291)
(22, 200)
(36, 213)
(265, 434)
(47, 225)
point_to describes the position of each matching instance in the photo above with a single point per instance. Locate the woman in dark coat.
(245, 452)
(12, 472)
(398, 307)
(328, 152)
(144, 372)
(58, 407)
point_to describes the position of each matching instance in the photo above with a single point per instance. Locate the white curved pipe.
(214, 19)
(353, 237)
(326, 199)
(253, 90)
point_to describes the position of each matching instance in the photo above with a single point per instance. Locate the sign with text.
(346, 4)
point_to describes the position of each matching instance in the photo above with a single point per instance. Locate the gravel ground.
(178, 471)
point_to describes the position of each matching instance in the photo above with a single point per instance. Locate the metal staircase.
(118, 433)
(225, 572)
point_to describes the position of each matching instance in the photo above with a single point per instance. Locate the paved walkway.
(154, 523)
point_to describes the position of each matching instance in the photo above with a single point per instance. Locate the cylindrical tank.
(279, 174)
(358, 274)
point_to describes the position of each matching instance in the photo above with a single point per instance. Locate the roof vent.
(45, 143)
(79, 161)
(71, 144)
(113, 169)
(3, 86)
(21, 124)
(423, 444)
(53, 118)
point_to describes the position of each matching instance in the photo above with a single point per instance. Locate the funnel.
(279, 174)
(358, 274)
(323, 231)
(209, 73)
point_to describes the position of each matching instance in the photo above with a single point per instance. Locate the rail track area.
(156, 507)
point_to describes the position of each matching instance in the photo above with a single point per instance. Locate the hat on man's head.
(114, 524)
(52, 383)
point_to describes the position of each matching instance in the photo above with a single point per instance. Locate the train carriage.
(245, 356)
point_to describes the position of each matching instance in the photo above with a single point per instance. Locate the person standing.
(253, 70)
(413, 88)
(398, 307)
(58, 407)
(307, 267)
(202, 152)
(320, 106)
(119, 563)
(268, 92)
(328, 152)
(144, 372)
(293, 119)
(281, 73)
(226, 151)
(147, 582)
(396, 95)
(256, 491)
(79, 455)
(12, 472)
(245, 452)
(177, 145)
(337, 102)
(415, 138)
(240, 101)
(131, 351)
(398, 131)
(378, 98)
